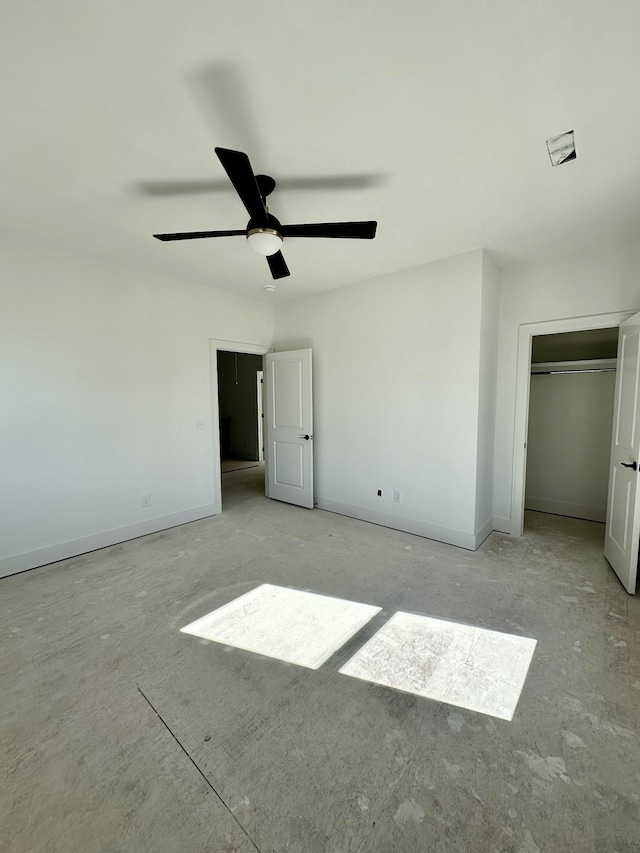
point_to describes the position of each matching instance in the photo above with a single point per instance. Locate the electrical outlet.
(200, 423)
(145, 500)
(397, 496)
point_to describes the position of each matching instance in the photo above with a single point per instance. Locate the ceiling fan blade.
(181, 187)
(353, 230)
(358, 181)
(223, 91)
(197, 235)
(236, 164)
(278, 265)
(197, 186)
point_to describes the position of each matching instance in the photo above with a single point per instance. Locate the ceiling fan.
(263, 232)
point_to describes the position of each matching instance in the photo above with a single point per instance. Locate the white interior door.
(622, 534)
(289, 427)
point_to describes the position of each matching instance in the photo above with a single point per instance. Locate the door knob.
(306, 437)
(632, 465)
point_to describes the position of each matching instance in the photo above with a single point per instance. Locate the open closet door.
(622, 534)
(289, 427)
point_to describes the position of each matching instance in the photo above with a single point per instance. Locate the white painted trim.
(395, 522)
(572, 510)
(502, 525)
(482, 534)
(240, 346)
(523, 375)
(216, 344)
(65, 550)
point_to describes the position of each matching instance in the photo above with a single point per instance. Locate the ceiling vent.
(562, 148)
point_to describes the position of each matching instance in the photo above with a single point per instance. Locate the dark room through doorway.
(240, 419)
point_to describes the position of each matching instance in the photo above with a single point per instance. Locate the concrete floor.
(122, 734)
(228, 465)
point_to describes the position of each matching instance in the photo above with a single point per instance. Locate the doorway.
(240, 421)
(287, 469)
(571, 396)
(236, 403)
(527, 334)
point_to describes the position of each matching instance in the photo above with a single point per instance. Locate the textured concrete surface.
(120, 733)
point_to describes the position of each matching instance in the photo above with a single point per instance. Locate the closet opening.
(568, 446)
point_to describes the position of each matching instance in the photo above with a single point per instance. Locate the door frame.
(216, 345)
(526, 332)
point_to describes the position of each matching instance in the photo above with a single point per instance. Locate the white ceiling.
(440, 110)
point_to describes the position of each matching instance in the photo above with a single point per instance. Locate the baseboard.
(395, 522)
(502, 525)
(572, 510)
(65, 550)
(482, 534)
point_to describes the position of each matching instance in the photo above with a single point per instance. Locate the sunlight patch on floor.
(461, 665)
(291, 625)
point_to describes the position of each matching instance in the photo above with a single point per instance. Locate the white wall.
(487, 395)
(104, 373)
(396, 370)
(105, 370)
(569, 443)
(599, 281)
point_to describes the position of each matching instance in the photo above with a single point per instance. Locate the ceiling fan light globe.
(265, 241)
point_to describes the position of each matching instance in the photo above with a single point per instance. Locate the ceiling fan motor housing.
(266, 185)
(268, 221)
